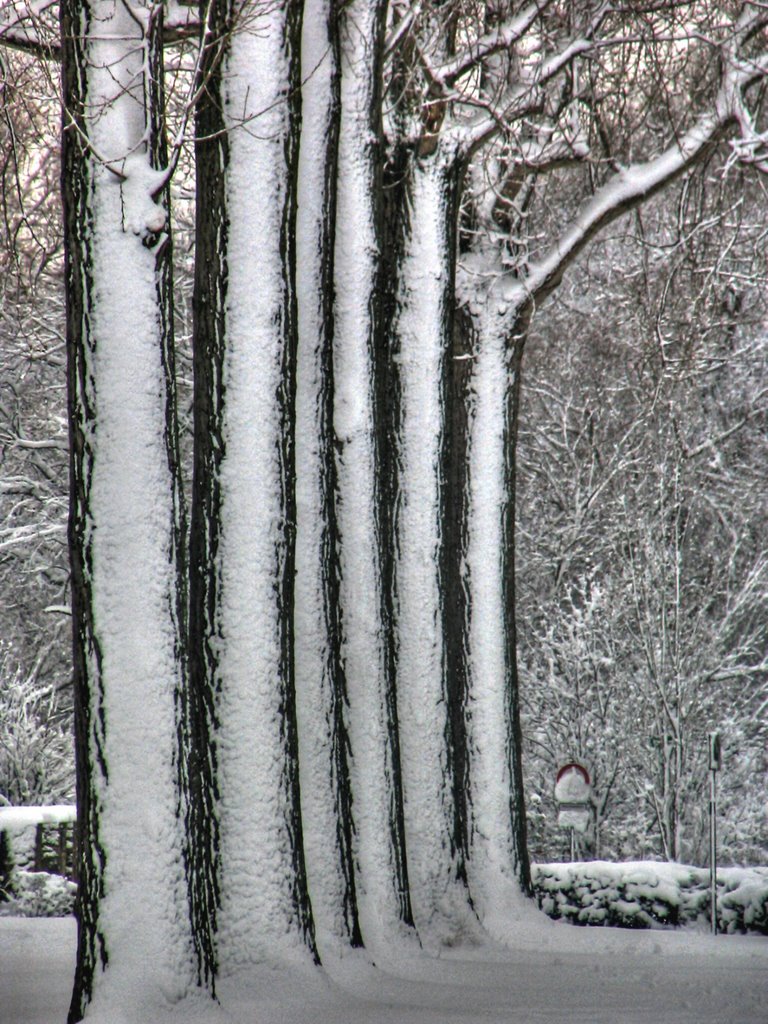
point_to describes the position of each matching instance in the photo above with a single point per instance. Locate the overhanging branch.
(31, 26)
(632, 185)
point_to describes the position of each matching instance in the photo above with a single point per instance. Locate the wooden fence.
(55, 836)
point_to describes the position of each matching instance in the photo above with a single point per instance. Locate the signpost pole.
(714, 767)
(713, 851)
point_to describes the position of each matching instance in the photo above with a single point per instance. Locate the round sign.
(572, 786)
(573, 766)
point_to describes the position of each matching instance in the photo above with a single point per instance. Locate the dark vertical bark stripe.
(516, 794)
(456, 600)
(330, 540)
(202, 860)
(77, 192)
(453, 532)
(286, 555)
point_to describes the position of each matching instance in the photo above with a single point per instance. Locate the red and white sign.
(572, 793)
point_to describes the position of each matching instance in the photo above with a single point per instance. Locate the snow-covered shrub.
(38, 894)
(36, 749)
(742, 902)
(648, 894)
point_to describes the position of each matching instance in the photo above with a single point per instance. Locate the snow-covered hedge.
(642, 894)
(647, 894)
(38, 894)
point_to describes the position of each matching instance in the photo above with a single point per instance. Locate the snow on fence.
(647, 894)
(54, 835)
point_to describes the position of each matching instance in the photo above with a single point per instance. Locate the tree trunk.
(360, 440)
(126, 522)
(432, 736)
(321, 684)
(212, 157)
(245, 532)
(498, 862)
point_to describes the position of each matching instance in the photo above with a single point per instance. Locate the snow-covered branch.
(24, 26)
(503, 37)
(633, 184)
(526, 96)
(32, 26)
(525, 99)
(621, 193)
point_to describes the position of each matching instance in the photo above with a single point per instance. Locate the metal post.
(713, 850)
(597, 829)
(714, 766)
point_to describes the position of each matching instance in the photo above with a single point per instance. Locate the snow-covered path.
(554, 974)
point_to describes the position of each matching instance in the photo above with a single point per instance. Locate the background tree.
(33, 442)
(643, 555)
(36, 744)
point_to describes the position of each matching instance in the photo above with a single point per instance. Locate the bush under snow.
(640, 894)
(647, 894)
(39, 894)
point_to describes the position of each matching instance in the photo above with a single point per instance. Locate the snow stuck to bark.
(257, 917)
(493, 882)
(363, 646)
(422, 701)
(143, 913)
(314, 665)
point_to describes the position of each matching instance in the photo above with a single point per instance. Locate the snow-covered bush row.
(39, 894)
(645, 894)
(633, 895)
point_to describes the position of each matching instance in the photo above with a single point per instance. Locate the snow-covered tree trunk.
(126, 524)
(352, 546)
(321, 687)
(500, 299)
(244, 544)
(432, 735)
(383, 891)
(498, 862)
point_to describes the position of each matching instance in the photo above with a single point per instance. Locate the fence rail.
(55, 837)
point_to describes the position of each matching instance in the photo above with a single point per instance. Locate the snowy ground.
(555, 973)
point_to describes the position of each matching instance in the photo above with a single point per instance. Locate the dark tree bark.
(321, 684)
(242, 583)
(126, 524)
(209, 334)
(78, 269)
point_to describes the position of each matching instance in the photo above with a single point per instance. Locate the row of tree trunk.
(296, 706)
(292, 734)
